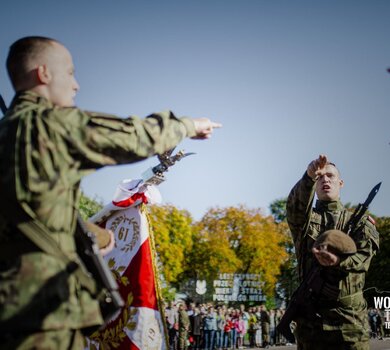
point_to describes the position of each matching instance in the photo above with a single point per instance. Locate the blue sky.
(288, 79)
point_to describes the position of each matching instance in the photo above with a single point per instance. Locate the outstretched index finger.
(216, 125)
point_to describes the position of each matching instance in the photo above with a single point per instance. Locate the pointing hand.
(314, 169)
(204, 128)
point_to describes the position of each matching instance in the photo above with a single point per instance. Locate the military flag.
(140, 325)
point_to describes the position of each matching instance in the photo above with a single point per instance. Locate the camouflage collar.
(31, 96)
(329, 205)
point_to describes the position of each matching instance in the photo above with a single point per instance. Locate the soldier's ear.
(43, 74)
(341, 183)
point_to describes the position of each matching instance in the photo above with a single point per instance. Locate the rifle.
(302, 302)
(3, 107)
(361, 209)
(155, 175)
(152, 176)
(304, 299)
(110, 300)
(96, 268)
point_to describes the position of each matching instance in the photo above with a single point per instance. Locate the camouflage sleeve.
(298, 205)
(97, 139)
(367, 243)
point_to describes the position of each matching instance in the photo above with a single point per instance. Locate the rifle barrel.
(3, 107)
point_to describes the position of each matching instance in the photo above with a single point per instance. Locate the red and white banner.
(139, 326)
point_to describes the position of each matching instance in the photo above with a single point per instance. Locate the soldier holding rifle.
(334, 249)
(46, 146)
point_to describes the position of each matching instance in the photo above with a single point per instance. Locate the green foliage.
(378, 277)
(225, 240)
(237, 239)
(288, 279)
(173, 237)
(212, 251)
(168, 293)
(278, 209)
(270, 303)
(88, 207)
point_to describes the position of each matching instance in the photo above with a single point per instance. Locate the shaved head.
(24, 56)
(44, 66)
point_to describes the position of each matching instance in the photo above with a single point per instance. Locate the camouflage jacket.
(348, 313)
(184, 321)
(44, 153)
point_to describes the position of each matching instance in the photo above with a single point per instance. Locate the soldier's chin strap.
(3, 107)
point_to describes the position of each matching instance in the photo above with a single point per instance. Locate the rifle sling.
(11, 250)
(41, 238)
(37, 233)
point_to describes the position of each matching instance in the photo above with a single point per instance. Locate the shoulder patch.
(370, 230)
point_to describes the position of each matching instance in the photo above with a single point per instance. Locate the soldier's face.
(62, 85)
(329, 184)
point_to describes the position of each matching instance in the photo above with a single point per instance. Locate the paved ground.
(374, 345)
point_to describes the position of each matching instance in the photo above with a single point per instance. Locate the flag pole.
(160, 305)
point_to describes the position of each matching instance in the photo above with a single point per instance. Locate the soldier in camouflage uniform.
(340, 323)
(184, 327)
(46, 146)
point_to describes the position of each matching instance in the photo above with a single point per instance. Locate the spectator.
(172, 317)
(209, 328)
(241, 331)
(252, 328)
(233, 333)
(272, 327)
(196, 325)
(227, 332)
(265, 323)
(220, 328)
(184, 327)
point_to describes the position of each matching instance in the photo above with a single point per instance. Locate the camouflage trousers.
(45, 340)
(345, 346)
(183, 339)
(331, 340)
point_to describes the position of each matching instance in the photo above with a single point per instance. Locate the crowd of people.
(376, 319)
(206, 326)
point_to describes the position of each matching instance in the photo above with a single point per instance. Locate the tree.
(378, 276)
(288, 279)
(173, 239)
(212, 251)
(237, 239)
(278, 209)
(261, 249)
(88, 207)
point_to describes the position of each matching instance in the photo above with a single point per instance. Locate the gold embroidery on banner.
(113, 334)
(123, 233)
(117, 272)
(122, 227)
